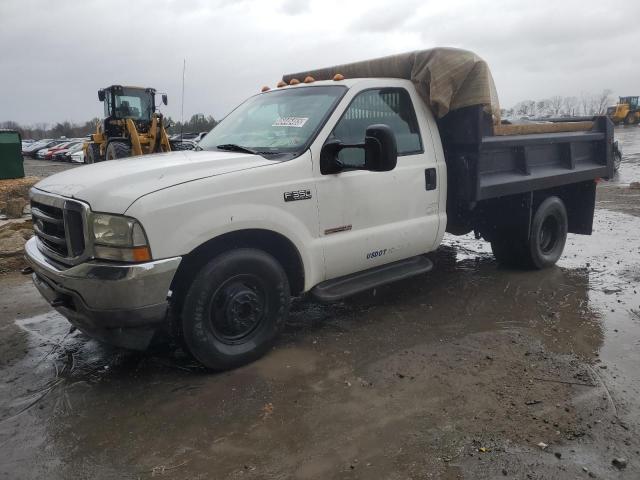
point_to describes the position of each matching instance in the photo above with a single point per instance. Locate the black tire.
(93, 153)
(546, 241)
(116, 150)
(235, 308)
(630, 119)
(617, 157)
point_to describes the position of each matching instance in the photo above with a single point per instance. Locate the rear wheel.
(235, 308)
(93, 153)
(117, 150)
(543, 248)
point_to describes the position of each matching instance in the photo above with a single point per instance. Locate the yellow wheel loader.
(131, 125)
(626, 111)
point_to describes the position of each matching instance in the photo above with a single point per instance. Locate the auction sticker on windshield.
(297, 122)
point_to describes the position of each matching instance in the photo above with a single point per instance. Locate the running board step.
(342, 287)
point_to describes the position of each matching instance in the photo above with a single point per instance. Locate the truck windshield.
(281, 121)
(134, 103)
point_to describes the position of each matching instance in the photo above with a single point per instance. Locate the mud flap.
(505, 217)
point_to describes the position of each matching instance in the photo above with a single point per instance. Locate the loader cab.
(631, 101)
(121, 102)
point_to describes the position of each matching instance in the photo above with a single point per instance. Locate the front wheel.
(547, 237)
(117, 150)
(235, 308)
(630, 119)
(93, 153)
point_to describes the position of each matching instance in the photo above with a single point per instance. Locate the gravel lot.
(44, 168)
(471, 371)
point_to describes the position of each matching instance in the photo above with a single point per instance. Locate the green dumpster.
(10, 155)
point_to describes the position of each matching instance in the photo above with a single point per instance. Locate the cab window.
(389, 106)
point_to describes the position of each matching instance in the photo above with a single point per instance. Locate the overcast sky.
(56, 54)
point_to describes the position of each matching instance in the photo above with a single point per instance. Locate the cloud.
(295, 7)
(60, 56)
(385, 18)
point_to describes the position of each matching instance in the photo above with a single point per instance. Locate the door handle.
(430, 179)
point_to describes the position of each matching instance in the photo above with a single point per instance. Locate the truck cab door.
(371, 218)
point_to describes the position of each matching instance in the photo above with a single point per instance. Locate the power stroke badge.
(297, 195)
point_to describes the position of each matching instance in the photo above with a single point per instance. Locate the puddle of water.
(597, 283)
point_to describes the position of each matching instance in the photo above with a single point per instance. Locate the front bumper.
(121, 304)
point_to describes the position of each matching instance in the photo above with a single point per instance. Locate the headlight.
(116, 237)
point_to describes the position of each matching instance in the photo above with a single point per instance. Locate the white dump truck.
(340, 180)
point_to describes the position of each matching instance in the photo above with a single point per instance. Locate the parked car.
(64, 154)
(177, 145)
(200, 136)
(192, 136)
(77, 157)
(27, 143)
(32, 149)
(58, 148)
(35, 152)
(46, 153)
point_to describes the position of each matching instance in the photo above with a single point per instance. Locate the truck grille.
(59, 225)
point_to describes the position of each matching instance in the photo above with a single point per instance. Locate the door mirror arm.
(329, 161)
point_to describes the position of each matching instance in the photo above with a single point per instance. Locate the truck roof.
(446, 78)
(347, 82)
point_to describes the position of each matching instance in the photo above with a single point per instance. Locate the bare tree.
(555, 104)
(570, 106)
(542, 107)
(602, 102)
(526, 108)
(588, 103)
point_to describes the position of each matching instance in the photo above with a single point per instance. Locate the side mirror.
(164, 98)
(380, 149)
(101, 95)
(380, 152)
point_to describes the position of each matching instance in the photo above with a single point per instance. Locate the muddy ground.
(462, 373)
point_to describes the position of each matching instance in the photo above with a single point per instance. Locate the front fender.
(189, 221)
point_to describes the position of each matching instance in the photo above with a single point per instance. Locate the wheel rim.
(549, 234)
(237, 308)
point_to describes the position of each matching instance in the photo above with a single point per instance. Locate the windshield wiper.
(232, 147)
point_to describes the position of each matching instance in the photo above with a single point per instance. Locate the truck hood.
(114, 185)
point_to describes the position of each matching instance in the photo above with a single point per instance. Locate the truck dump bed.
(487, 161)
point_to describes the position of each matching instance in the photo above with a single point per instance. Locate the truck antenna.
(184, 67)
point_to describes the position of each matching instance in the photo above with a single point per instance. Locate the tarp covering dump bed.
(446, 78)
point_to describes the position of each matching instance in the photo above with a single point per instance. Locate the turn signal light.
(141, 254)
